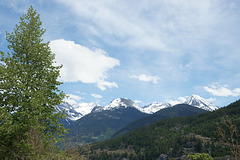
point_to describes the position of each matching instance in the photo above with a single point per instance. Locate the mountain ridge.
(179, 110)
(77, 111)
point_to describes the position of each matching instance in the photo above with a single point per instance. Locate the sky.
(144, 50)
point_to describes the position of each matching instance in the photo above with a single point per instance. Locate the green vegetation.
(172, 138)
(29, 127)
(198, 156)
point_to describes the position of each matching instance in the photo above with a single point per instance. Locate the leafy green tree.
(29, 91)
(200, 156)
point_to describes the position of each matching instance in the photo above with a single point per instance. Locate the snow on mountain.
(76, 111)
(194, 100)
(70, 111)
(154, 107)
(84, 108)
(122, 102)
(200, 102)
(97, 109)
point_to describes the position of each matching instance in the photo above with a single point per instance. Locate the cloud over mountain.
(146, 78)
(72, 99)
(96, 95)
(223, 91)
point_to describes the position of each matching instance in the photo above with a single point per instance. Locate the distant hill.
(170, 138)
(180, 110)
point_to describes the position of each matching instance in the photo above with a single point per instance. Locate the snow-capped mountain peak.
(154, 107)
(84, 108)
(122, 102)
(76, 111)
(200, 102)
(70, 111)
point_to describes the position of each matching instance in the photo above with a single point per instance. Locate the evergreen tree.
(28, 93)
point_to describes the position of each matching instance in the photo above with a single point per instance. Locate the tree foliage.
(199, 156)
(28, 93)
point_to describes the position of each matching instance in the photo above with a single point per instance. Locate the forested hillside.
(172, 138)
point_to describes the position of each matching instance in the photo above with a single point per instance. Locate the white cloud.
(153, 25)
(83, 64)
(138, 101)
(211, 99)
(222, 91)
(72, 99)
(96, 96)
(104, 84)
(179, 100)
(81, 93)
(146, 78)
(183, 33)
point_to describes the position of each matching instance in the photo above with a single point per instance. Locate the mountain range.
(77, 111)
(215, 133)
(96, 123)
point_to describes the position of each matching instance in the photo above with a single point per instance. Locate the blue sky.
(148, 51)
